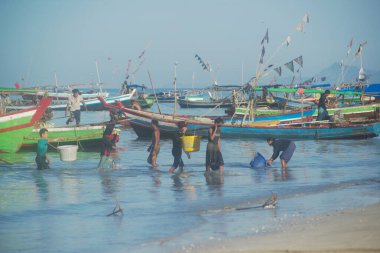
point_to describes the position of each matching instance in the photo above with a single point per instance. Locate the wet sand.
(340, 231)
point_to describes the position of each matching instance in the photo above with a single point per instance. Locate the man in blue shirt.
(286, 146)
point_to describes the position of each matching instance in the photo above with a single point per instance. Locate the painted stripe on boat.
(17, 116)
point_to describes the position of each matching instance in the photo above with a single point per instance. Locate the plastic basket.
(191, 143)
(258, 161)
(68, 153)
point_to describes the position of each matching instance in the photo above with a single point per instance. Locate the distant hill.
(332, 74)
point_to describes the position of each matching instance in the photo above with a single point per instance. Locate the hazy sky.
(42, 37)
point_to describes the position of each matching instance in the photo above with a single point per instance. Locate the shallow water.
(64, 209)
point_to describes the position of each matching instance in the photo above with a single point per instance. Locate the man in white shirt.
(74, 105)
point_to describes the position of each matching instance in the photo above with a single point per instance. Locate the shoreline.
(348, 230)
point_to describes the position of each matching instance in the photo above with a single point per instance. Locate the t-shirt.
(74, 103)
(322, 101)
(279, 145)
(42, 147)
(177, 143)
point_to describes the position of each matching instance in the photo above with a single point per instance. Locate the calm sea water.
(64, 209)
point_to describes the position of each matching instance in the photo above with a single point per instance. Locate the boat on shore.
(14, 126)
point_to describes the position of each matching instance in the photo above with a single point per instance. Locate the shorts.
(41, 162)
(177, 154)
(74, 115)
(288, 153)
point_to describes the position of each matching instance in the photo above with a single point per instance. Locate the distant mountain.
(332, 74)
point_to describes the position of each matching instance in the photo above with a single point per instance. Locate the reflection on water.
(41, 184)
(65, 208)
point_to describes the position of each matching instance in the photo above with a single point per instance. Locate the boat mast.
(99, 81)
(242, 74)
(175, 88)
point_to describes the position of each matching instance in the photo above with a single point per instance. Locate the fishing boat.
(96, 105)
(86, 137)
(141, 120)
(62, 95)
(308, 130)
(14, 126)
(186, 103)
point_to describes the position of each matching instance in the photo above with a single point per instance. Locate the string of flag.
(205, 65)
(141, 61)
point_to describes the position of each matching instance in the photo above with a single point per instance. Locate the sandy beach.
(355, 230)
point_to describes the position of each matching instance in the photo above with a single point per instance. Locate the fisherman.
(111, 136)
(286, 146)
(154, 148)
(74, 105)
(214, 158)
(42, 159)
(322, 110)
(177, 147)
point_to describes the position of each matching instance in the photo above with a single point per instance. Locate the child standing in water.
(42, 159)
(177, 147)
(110, 138)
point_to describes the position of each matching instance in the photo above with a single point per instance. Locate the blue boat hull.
(372, 89)
(141, 124)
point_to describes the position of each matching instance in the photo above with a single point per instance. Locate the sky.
(44, 41)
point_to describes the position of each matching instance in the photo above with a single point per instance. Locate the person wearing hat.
(177, 147)
(73, 105)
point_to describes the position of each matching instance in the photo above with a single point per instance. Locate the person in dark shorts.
(177, 147)
(42, 159)
(214, 158)
(286, 146)
(73, 105)
(110, 137)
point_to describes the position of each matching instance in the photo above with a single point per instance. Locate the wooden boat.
(14, 126)
(86, 137)
(64, 95)
(141, 120)
(185, 103)
(96, 105)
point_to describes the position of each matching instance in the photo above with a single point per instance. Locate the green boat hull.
(351, 109)
(86, 137)
(11, 141)
(14, 126)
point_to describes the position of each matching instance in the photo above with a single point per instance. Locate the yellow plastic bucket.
(191, 143)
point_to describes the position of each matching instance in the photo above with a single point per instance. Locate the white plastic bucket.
(68, 153)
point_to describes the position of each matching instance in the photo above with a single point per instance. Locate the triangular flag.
(278, 70)
(290, 66)
(350, 46)
(359, 50)
(306, 18)
(287, 41)
(299, 27)
(299, 60)
(265, 38)
(262, 55)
